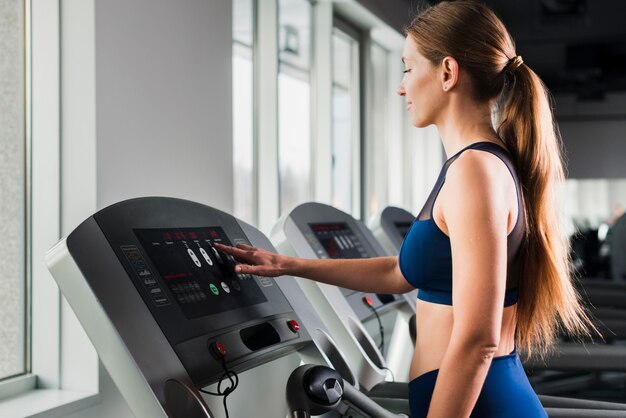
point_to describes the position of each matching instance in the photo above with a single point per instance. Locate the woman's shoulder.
(478, 180)
(478, 168)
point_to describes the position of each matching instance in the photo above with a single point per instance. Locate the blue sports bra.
(425, 257)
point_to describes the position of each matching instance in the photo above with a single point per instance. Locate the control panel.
(167, 249)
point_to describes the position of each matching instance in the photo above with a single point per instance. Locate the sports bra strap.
(492, 148)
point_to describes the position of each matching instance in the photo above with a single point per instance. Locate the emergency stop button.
(293, 326)
(219, 349)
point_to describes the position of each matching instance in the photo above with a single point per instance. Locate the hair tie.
(513, 64)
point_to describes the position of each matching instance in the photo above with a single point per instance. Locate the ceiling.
(576, 46)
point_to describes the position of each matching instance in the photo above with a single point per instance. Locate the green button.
(214, 289)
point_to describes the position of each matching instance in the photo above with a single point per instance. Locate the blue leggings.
(505, 394)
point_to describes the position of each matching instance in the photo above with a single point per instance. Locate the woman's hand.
(376, 275)
(257, 260)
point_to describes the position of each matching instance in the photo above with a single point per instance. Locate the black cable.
(381, 347)
(234, 382)
(382, 342)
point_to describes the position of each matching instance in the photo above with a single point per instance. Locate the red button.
(368, 301)
(293, 326)
(220, 349)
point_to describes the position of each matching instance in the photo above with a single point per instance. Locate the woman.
(485, 250)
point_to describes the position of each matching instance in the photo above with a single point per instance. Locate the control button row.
(245, 276)
(191, 297)
(185, 287)
(159, 297)
(206, 256)
(139, 266)
(188, 293)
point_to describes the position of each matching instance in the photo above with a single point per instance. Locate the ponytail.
(548, 298)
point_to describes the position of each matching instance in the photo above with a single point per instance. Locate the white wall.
(594, 133)
(148, 102)
(163, 100)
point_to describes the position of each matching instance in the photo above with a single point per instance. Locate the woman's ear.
(449, 73)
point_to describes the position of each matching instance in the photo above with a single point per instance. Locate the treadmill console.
(166, 247)
(338, 241)
(200, 278)
(390, 228)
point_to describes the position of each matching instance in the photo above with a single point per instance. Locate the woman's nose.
(400, 90)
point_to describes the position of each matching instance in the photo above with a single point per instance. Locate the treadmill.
(170, 319)
(356, 319)
(390, 227)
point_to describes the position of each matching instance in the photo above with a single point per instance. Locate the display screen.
(403, 228)
(338, 240)
(200, 277)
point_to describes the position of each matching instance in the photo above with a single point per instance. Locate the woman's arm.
(376, 275)
(475, 211)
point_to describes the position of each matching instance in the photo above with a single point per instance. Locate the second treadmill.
(315, 230)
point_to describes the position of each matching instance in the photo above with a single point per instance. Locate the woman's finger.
(223, 247)
(240, 249)
(246, 247)
(228, 249)
(256, 270)
(237, 253)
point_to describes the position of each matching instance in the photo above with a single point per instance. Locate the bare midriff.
(434, 324)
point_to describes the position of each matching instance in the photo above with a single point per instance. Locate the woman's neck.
(463, 123)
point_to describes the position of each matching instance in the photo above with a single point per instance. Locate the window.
(401, 162)
(13, 355)
(299, 135)
(243, 148)
(294, 103)
(59, 370)
(376, 153)
(592, 212)
(346, 147)
(424, 156)
(589, 203)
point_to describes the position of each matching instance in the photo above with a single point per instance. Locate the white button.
(193, 257)
(217, 256)
(206, 256)
(225, 287)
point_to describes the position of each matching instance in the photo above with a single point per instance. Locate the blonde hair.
(471, 33)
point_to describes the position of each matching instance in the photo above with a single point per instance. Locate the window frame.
(347, 29)
(14, 383)
(292, 71)
(53, 385)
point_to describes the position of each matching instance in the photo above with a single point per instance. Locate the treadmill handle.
(361, 402)
(313, 390)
